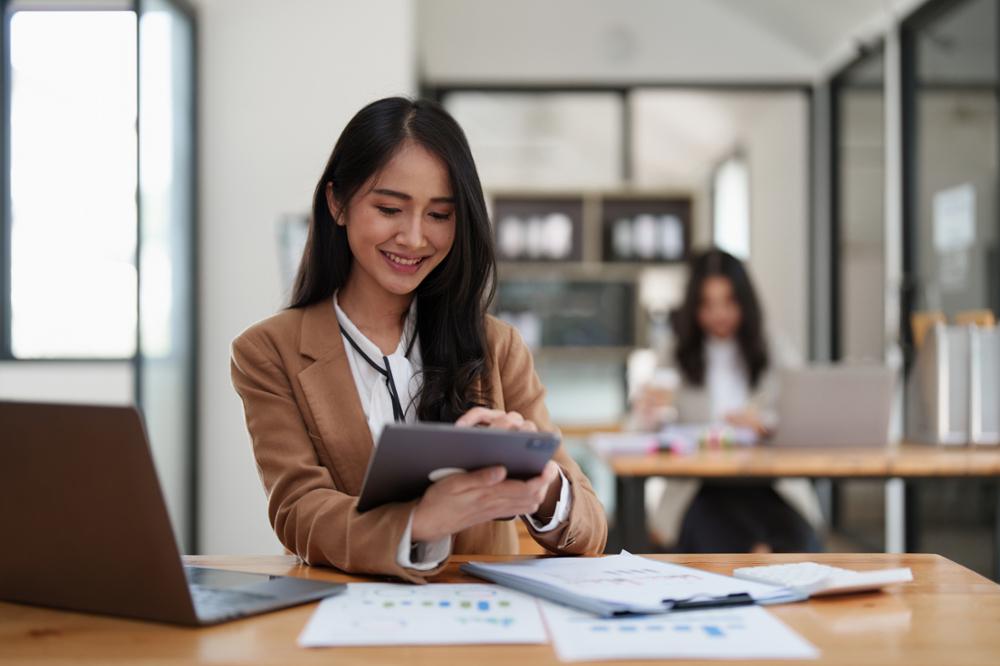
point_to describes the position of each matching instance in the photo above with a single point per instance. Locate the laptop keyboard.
(213, 603)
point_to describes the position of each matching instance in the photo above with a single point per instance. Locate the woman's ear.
(332, 205)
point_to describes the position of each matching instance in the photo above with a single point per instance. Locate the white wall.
(100, 383)
(279, 80)
(778, 156)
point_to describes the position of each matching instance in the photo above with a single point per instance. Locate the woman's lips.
(402, 264)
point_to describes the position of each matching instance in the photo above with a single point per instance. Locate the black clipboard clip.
(736, 599)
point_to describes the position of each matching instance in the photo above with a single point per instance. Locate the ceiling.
(817, 28)
(626, 40)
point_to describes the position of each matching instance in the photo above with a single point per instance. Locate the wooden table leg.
(836, 503)
(911, 520)
(996, 533)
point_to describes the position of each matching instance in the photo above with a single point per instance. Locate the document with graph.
(741, 632)
(626, 583)
(435, 614)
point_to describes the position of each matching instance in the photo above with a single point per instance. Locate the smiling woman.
(388, 323)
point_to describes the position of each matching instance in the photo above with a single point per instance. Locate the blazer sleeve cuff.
(561, 513)
(421, 556)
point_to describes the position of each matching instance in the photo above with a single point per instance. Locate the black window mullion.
(5, 255)
(136, 359)
(835, 118)
(908, 125)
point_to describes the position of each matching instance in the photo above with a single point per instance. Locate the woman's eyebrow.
(406, 197)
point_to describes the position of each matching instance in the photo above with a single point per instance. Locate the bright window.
(731, 208)
(73, 184)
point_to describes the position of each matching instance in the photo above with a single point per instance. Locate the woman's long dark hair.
(690, 349)
(452, 300)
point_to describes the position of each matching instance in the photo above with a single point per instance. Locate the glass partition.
(951, 230)
(166, 380)
(951, 222)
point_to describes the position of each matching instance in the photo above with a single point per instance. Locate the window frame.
(192, 463)
(5, 253)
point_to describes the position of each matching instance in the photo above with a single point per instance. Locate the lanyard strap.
(397, 409)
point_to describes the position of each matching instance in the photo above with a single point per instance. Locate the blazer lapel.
(332, 396)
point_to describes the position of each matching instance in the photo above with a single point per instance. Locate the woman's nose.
(411, 233)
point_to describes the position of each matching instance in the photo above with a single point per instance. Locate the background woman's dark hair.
(690, 349)
(452, 300)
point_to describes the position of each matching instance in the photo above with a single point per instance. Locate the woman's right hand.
(652, 407)
(462, 500)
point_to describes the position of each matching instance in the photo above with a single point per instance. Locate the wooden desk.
(948, 615)
(907, 461)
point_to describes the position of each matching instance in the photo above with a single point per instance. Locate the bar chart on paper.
(745, 632)
(435, 614)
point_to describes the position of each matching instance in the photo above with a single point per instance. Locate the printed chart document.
(435, 614)
(626, 583)
(741, 632)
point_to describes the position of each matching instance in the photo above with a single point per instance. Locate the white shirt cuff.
(421, 556)
(561, 514)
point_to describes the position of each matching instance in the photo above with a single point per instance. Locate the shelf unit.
(588, 260)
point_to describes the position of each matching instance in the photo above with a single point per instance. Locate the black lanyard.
(397, 409)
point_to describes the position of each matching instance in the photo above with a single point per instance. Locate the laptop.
(85, 526)
(849, 406)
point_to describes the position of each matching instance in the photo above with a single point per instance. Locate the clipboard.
(663, 587)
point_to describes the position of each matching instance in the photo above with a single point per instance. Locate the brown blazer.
(312, 445)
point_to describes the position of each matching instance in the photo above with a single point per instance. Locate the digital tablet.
(409, 457)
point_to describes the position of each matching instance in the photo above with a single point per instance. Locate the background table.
(906, 462)
(948, 615)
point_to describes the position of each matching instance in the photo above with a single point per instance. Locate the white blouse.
(725, 378)
(377, 405)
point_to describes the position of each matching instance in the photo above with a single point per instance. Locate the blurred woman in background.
(727, 368)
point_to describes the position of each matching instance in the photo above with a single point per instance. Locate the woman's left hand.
(748, 418)
(499, 419)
